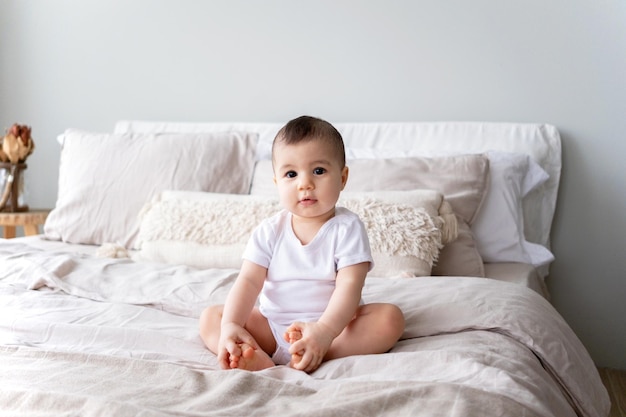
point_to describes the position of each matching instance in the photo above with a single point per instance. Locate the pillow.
(201, 230)
(497, 243)
(462, 179)
(105, 179)
(210, 230)
(499, 226)
(461, 256)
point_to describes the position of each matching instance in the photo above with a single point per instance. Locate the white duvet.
(86, 336)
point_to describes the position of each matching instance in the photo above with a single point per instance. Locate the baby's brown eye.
(319, 171)
(291, 174)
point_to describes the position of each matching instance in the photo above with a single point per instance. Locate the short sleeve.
(353, 245)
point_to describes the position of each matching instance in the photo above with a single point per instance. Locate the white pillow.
(499, 224)
(209, 230)
(105, 179)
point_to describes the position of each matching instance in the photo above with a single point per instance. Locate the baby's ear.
(344, 176)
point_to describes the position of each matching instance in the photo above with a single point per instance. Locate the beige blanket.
(104, 337)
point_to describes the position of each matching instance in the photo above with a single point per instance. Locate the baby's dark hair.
(305, 128)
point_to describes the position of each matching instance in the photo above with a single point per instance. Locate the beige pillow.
(105, 179)
(460, 257)
(462, 179)
(209, 230)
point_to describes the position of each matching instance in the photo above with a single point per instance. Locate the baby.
(308, 265)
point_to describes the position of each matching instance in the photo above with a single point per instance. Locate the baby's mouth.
(307, 201)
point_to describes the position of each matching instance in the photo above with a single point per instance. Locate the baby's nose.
(306, 182)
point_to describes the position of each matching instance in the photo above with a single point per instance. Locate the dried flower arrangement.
(17, 145)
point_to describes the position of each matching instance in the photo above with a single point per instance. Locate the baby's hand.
(309, 344)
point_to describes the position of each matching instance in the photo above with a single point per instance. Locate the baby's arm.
(239, 304)
(318, 336)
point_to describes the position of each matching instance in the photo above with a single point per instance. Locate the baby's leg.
(210, 326)
(375, 329)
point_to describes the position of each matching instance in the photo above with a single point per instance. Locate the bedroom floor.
(615, 382)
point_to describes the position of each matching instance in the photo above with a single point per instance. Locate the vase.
(12, 187)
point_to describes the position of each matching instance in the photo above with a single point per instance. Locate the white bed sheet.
(101, 336)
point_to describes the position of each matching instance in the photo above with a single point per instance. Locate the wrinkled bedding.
(88, 336)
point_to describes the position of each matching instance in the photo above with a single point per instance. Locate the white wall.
(88, 63)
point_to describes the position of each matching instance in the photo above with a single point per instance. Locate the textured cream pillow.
(462, 179)
(208, 230)
(105, 179)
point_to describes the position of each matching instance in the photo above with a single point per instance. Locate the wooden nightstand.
(29, 220)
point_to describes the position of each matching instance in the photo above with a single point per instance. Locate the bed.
(99, 314)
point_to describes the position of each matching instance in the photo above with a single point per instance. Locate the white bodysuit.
(301, 278)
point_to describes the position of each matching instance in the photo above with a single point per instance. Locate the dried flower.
(17, 144)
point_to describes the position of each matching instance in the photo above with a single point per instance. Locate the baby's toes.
(294, 336)
(247, 351)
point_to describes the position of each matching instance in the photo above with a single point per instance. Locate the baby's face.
(309, 179)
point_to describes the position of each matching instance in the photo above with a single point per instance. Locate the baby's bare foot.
(293, 335)
(252, 359)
